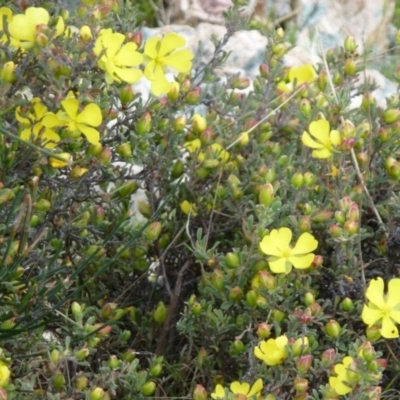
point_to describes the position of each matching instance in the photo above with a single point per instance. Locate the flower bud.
(309, 298)
(264, 71)
(266, 194)
(199, 124)
(351, 227)
(368, 101)
(7, 73)
(251, 298)
(322, 80)
(333, 329)
(350, 44)
(55, 356)
(391, 115)
(129, 355)
(322, 216)
(305, 107)
(193, 96)
(105, 156)
(153, 231)
(300, 384)
(81, 382)
(309, 179)
(43, 205)
(85, 33)
(235, 294)
(81, 354)
(173, 93)
(232, 260)
(144, 125)
(267, 280)
(298, 180)
(303, 363)
(328, 357)
(238, 345)
(160, 313)
(300, 346)
(263, 330)
(179, 123)
(367, 351)
(278, 316)
(148, 388)
(240, 83)
(350, 67)
(317, 262)
(96, 394)
(199, 393)
(353, 214)
(373, 333)
(305, 224)
(137, 38)
(217, 279)
(58, 380)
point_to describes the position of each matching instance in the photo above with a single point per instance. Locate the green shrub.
(206, 241)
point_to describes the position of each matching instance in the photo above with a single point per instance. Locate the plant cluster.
(214, 238)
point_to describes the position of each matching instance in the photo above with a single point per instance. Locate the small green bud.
(179, 123)
(309, 298)
(126, 94)
(298, 180)
(333, 329)
(251, 298)
(81, 354)
(235, 294)
(199, 393)
(96, 394)
(105, 156)
(217, 279)
(266, 194)
(263, 330)
(144, 125)
(160, 313)
(129, 355)
(278, 316)
(124, 150)
(7, 73)
(177, 169)
(391, 115)
(367, 101)
(232, 260)
(81, 382)
(58, 380)
(148, 388)
(305, 107)
(55, 356)
(350, 67)
(173, 93)
(193, 96)
(42, 205)
(300, 384)
(113, 362)
(153, 231)
(239, 346)
(350, 44)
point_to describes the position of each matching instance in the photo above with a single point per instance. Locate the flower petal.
(320, 130)
(305, 244)
(240, 388)
(393, 295)
(374, 293)
(37, 15)
(150, 48)
(302, 74)
(335, 137)
(170, 42)
(128, 75)
(256, 388)
(371, 316)
(281, 237)
(180, 60)
(323, 153)
(52, 120)
(310, 142)
(50, 138)
(71, 107)
(92, 135)
(280, 266)
(90, 115)
(219, 393)
(128, 56)
(302, 262)
(389, 329)
(268, 247)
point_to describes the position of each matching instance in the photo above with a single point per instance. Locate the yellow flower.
(302, 74)
(321, 138)
(215, 151)
(83, 122)
(24, 28)
(162, 53)
(383, 308)
(34, 127)
(242, 391)
(5, 14)
(273, 351)
(346, 377)
(116, 58)
(4, 375)
(283, 256)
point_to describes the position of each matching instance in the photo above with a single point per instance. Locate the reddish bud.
(300, 384)
(303, 363)
(263, 330)
(193, 96)
(328, 357)
(199, 393)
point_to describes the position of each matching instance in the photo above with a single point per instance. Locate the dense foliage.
(202, 238)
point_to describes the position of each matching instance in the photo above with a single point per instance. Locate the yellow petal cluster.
(383, 309)
(345, 377)
(321, 139)
(161, 53)
(283, 256)
(273, 351)
(242, 391)
(117, 59)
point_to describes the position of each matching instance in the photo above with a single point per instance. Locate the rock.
(332, 20)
